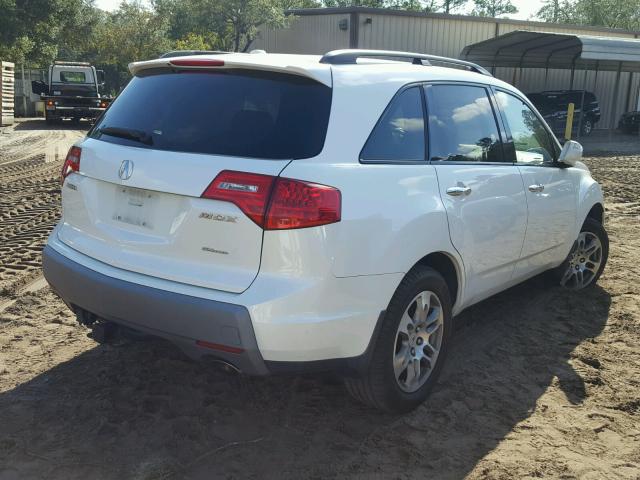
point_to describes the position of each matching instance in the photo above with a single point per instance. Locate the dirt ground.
(542, 382)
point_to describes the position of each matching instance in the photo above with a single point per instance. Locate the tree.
(550, 11)
(493, 8)
(448, 6)
(131, 33)
(225, 24)
(605, 13)
(355, 3)
(38, 30)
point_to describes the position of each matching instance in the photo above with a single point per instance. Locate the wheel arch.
(596, 213)
(590, 203)
(450, 269)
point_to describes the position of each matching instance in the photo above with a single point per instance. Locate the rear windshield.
(232, 112)
(73, 77)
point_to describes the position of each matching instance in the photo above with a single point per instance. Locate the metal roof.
(302, 12)
(556, 50)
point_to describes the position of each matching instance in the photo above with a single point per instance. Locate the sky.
(527, 8)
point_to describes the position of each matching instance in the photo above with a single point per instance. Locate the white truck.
(72, 91)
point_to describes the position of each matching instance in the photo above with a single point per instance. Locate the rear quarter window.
(399, 134)
(229, 112)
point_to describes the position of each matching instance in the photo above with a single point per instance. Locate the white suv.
(287, 213)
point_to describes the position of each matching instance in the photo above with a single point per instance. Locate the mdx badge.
(218, 217)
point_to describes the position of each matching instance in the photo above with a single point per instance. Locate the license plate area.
(135, 206)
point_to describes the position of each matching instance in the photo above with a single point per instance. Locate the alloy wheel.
(584, 261)
(418, 341)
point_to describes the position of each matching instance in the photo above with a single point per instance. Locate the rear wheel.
(411, 346)
(587, 127)
(587, 258)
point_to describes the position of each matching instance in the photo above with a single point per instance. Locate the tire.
(586, 128)
(574, 261)
(379, 386)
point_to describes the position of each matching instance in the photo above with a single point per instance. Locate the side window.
(399, 134)
(532, 142)
(462, 125)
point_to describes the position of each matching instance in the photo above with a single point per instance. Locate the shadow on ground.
(608, 142)
(141, 410)
(41, 124)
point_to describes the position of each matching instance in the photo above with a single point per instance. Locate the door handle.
(458, 191)
(536, 188)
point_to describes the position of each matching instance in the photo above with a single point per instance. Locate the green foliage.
(355, 3)
(194, 41)
(413, 5)
(132, 32)
(34, 30)
(493, 8)
(623, 14)
(450, 6)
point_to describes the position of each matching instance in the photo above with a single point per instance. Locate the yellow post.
(569, 127)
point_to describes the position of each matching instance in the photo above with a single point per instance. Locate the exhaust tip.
(224, 365)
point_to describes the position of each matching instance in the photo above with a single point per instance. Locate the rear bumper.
(180, 318)
(82, 112)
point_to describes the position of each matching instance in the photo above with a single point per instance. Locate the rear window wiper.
(128, 133)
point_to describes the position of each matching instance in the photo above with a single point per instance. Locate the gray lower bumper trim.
(180, 318)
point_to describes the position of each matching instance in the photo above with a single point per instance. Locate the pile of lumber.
(7, 79)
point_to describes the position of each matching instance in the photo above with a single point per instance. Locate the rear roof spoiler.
(279, 63)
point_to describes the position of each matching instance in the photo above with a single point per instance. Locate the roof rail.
(350, 57)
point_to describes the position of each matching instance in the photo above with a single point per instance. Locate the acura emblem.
(126, 170)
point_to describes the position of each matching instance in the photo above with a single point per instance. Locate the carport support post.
(626, 100)
(573, 72)
(614, 103)
(546, 77)
(584, 88)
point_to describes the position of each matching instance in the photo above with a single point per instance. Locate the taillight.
(276, 203)
(297, 204)
(71, 163)
(249, 191)
(197, 62)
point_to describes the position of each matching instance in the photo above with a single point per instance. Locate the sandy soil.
(541, 383)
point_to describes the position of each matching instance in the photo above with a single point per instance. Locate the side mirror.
(571, 153)
(100, 74)
(38, 87)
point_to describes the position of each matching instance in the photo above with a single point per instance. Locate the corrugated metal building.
(317, 31)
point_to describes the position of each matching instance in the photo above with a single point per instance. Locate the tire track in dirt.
(29, 197)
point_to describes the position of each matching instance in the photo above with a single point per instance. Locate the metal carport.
(526, 49)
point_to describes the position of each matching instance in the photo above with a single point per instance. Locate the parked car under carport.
(630, 122)
(553, 106)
